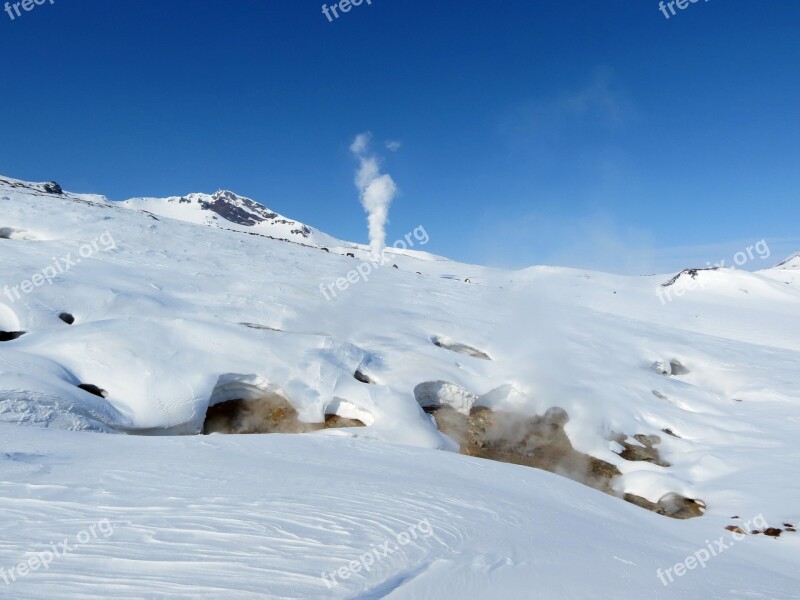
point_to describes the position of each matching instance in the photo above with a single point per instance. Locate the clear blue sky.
(586, 133)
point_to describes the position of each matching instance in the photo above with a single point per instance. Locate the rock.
(735, 529)
(676, 368)
(362, 377)
(10, 336)
(671, 505)
(538, 442)
(644, 453)
(53, 188)
(337, 422)
(270, 414)
(93, 389)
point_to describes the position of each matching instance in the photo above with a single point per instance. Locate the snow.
(793, 263)
(188, 525)
(176, 315)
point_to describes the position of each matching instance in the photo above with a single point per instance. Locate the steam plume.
(377, 192)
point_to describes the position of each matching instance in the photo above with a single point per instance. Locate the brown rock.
(735, 529)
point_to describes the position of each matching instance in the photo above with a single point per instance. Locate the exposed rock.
(693, 273)
(676, 368)
(93, 389)
(10, 336)
(542, 443)
(259, 326)
(237, 209)
(363, 378)
(337, 422)
(270, 414)
(53, 188)
(538, 442)
(464, 349)
(644, 453)
(674, 506)
(735, 529)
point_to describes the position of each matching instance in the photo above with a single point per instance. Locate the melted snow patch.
(270, 414)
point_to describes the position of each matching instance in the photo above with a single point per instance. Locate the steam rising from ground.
(538, 442)
(268, 414)
(377, 192)
(542, 443)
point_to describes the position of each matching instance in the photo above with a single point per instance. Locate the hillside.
(164, 308)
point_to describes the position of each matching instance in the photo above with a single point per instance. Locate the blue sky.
(585, 133)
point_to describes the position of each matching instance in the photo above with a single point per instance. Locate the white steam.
(377, 192)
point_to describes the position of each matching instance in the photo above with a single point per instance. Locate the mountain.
(227, 210)
(407, 407)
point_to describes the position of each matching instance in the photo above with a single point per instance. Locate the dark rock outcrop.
(9, 336)
(53, 188)
(93, 389)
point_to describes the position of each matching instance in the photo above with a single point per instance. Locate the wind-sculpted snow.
(267, 517)
(179, 316)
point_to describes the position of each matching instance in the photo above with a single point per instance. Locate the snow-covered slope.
(793, 263)
(243, 517)
(172, 317)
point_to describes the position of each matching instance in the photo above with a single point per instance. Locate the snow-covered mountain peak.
(227, 210)
(232, 207)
